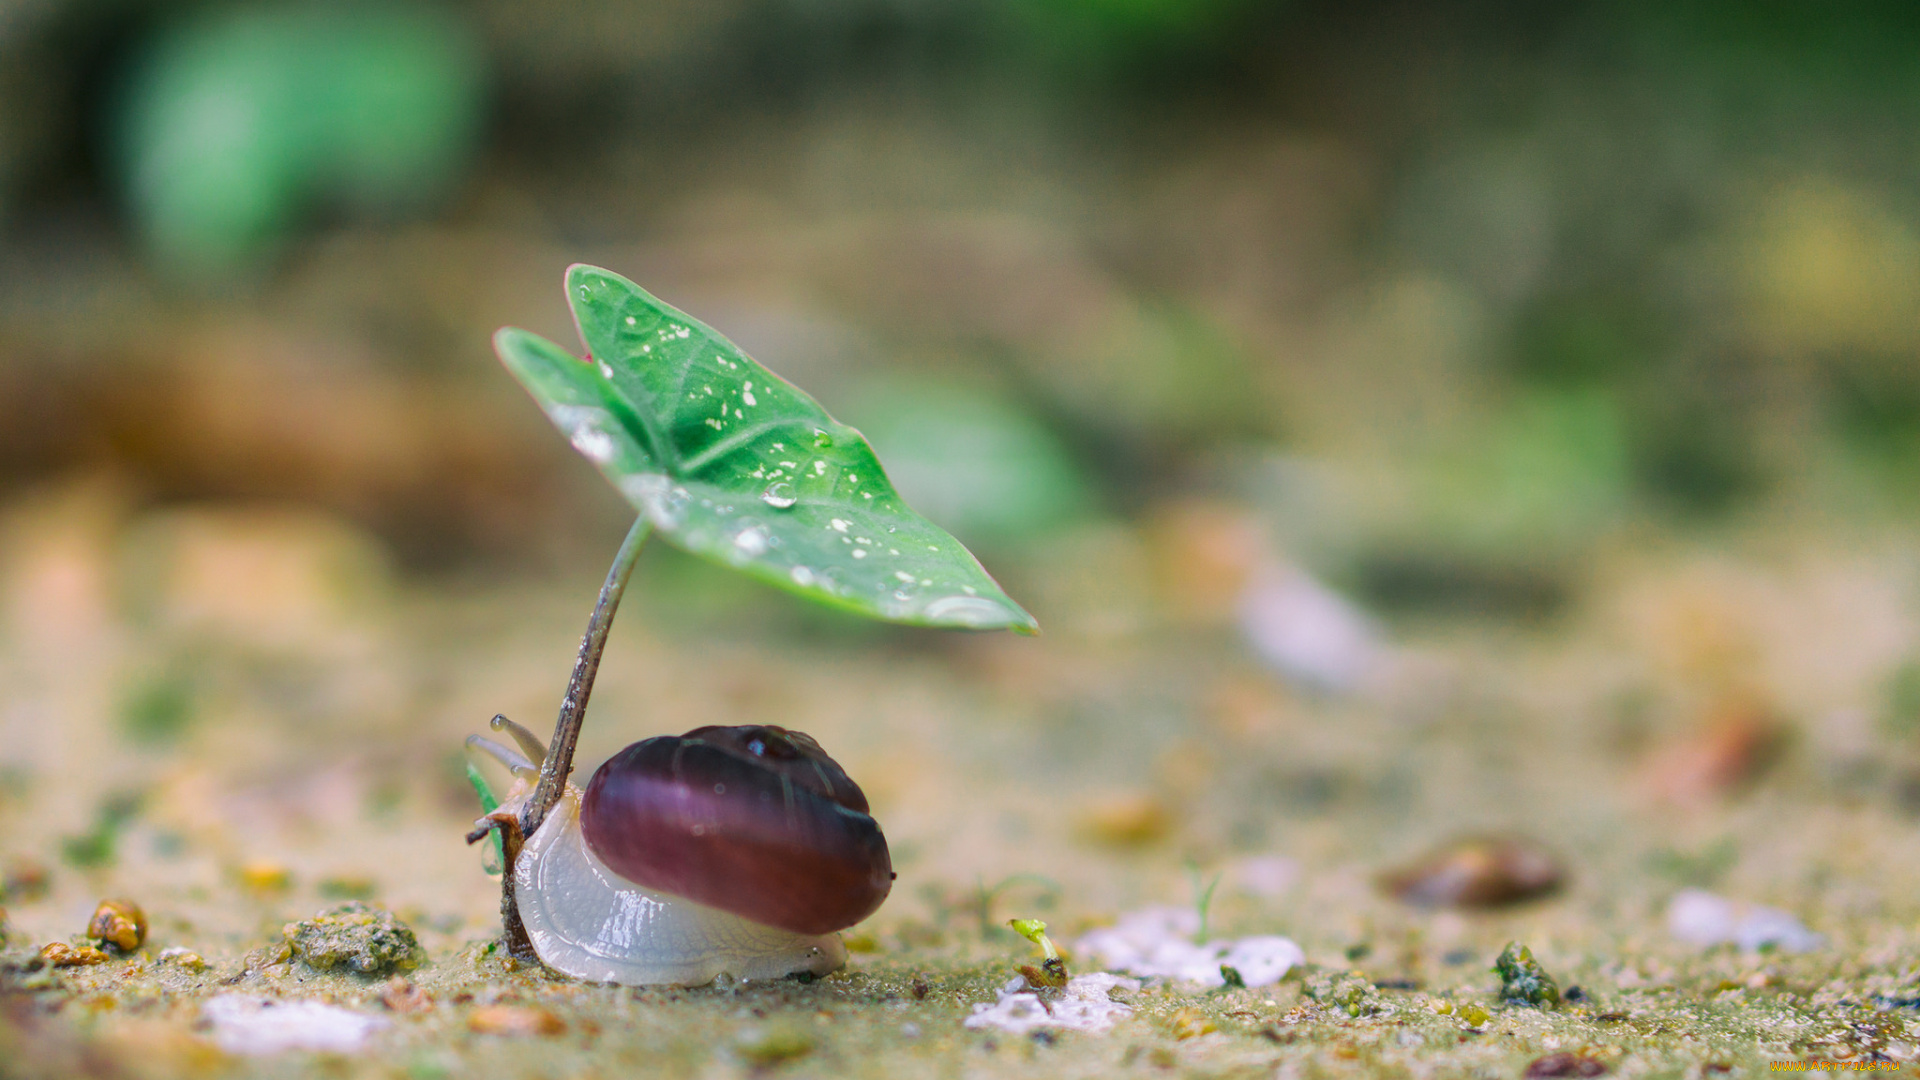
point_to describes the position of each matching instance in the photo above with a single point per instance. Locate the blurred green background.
(1513, 283)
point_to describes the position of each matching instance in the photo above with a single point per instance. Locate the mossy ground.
(326, 764)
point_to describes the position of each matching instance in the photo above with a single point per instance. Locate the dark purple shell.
(755, 820)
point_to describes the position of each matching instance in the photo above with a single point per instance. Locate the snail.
(727, 850)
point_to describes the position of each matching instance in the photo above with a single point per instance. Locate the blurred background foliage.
(1511, 283)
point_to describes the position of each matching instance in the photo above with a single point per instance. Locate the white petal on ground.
(1306, 631)
(1699, 917)
(251, 1025)
(1084, 1005)
(1264, 960)
(1154, 943)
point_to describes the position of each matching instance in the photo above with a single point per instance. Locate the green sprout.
(1202, 897)
(1052, 972)
(726, 460)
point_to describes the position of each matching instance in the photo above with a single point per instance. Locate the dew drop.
(974, 611)
(751, 541)
(821, 440)
(779, 495)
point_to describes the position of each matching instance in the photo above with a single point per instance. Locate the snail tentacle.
(530, 743)
(515, 762)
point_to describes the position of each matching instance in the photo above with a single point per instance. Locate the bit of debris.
(1523, 980)
(60, 954)
(762, 1047)
(1154, 943)
(1083, 1006)
(265, 877)
(1190, 1023)
(257, 1026)
(119, 925)
(1565, 1063)
(402, 996)
(1701, 918)
(1736, 743)
(365, 939)
(515, 1020)
(182, 957)
(1052, 972)
(1476, 871)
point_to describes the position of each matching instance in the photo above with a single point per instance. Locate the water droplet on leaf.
(779, 495)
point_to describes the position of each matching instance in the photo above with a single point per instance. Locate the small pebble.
(265, 877)
(1736, 743)
(516, 1020)
(60, 954)
(762, 1047)
(357, 936)
(401, 995)
(183, 957)
(120, 924)
(1476, 872)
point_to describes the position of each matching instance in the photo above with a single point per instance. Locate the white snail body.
(727, 851)
(586, 921)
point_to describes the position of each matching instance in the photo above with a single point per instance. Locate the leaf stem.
(566, 730)
(573, 708)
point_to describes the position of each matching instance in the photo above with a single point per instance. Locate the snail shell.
(732, 851)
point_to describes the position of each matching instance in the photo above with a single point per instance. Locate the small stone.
(1736, 742)
(59, 954)
(184, 958)
(119, 924)
(1475, 1016)
(1565, 1063)
(1523, 980)
(265, 877)
(401, 995)
(514, 1020)
(1476, 872)
(773, 1045)
(360, 937)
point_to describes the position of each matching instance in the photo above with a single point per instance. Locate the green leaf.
(735, 464)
